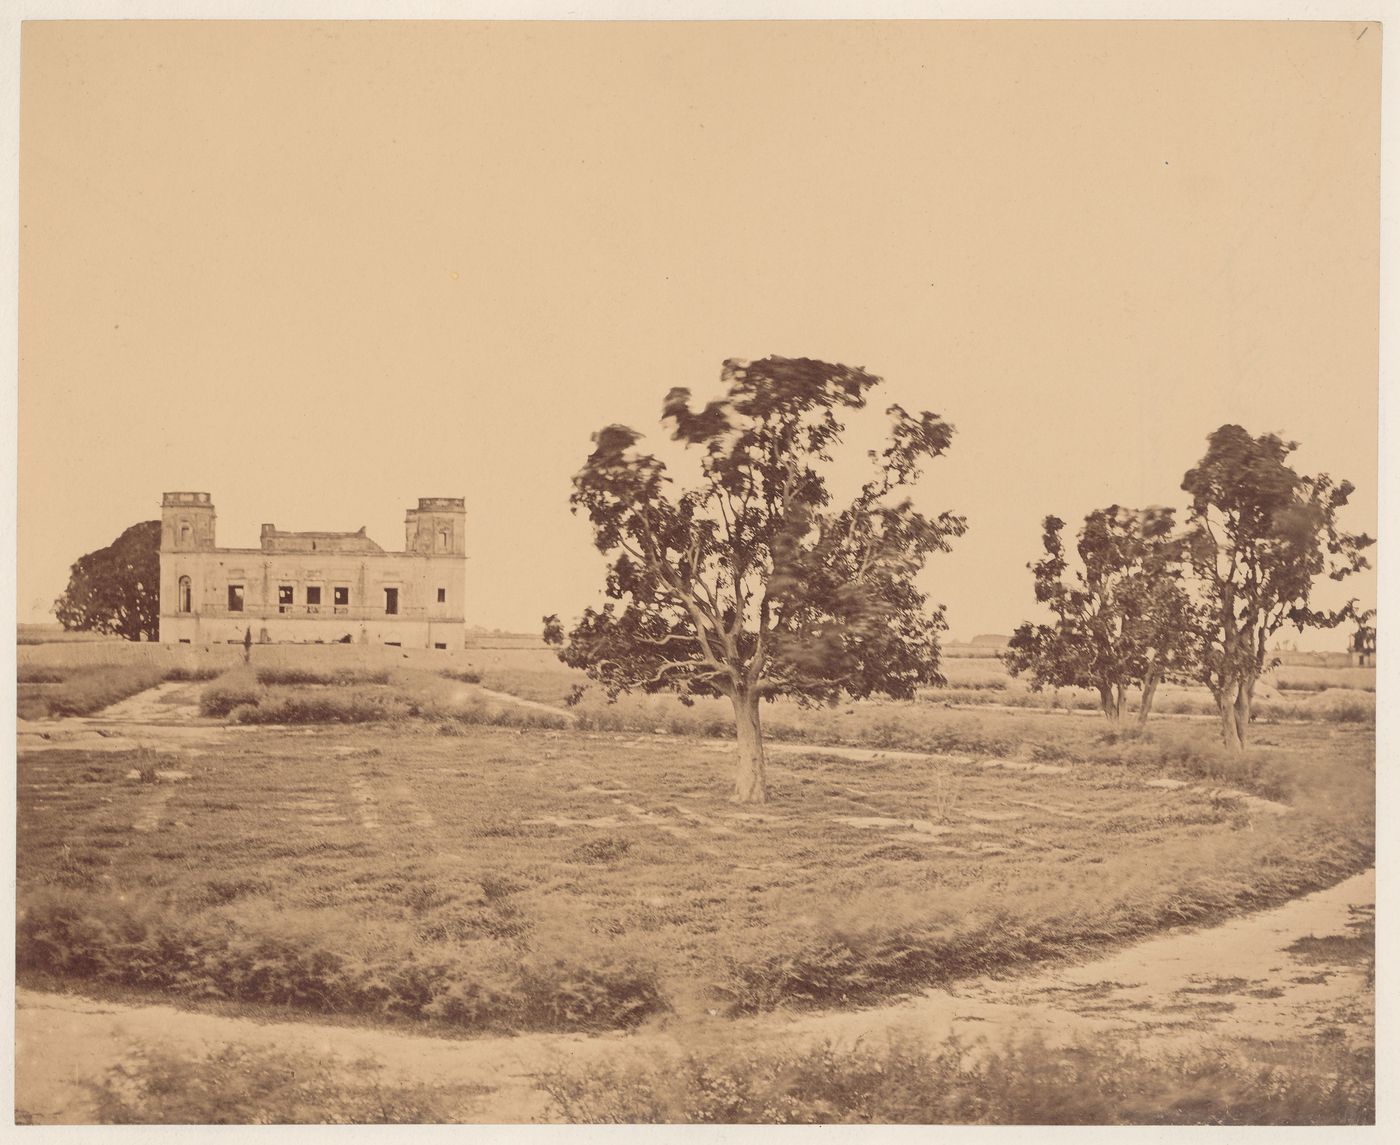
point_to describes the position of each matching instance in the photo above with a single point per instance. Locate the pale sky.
(319, 271)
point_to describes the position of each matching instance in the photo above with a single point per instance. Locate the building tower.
(438, 527)
(186, 522)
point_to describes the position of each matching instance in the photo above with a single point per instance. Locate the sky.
(322, 270)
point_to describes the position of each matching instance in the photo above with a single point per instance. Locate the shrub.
(241, 1085)
(232, 690)
(335, 677)
(486, 984)
(909, 1081)
(348, 706)
(461, 675)
(193, 674)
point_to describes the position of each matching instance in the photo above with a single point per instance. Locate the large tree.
(1259, 535)
(1120, 618)
(752, 583)
(116, 590)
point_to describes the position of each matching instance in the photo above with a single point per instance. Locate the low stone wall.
(192, 656)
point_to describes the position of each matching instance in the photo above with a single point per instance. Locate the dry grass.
(49, 693)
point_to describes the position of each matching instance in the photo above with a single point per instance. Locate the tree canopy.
(1259, 535)
(752, 583)
(116, 590)
(1121, 618)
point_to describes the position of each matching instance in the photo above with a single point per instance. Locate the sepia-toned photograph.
(733, 572)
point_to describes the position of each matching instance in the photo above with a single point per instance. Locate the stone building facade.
(314, 587)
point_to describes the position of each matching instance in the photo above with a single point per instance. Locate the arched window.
(184, 594)
(444, 538)
(184, 533)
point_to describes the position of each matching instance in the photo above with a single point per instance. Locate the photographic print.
(725, 572)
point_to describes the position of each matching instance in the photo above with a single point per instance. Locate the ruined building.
(314, 587)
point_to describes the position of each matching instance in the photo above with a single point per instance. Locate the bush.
(486, 984)
(232, 690)
(241, 1085)
(350, 706)
(461, 675)
(336, 677)
(206, 673)
(1095, 1082)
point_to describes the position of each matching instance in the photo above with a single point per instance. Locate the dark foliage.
(116, 590)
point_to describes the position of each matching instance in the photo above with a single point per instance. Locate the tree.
(1259, 535)
(751, 584)
(116, 590)
(1120, 620)
(1363, 640)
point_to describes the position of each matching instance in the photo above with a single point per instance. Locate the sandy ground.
(1238, 979)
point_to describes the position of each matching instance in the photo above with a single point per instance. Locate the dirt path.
(166, 716)
(1295, 972)
(519, 702)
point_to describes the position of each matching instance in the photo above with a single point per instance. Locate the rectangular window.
(393, 644)
(391, 602)
(284, 598)
(442, 596)
(235, 598)
(442, 646)
(340, 597)
(313, 598)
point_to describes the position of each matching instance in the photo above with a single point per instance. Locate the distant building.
(314, 587)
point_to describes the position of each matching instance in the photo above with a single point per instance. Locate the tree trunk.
(1149, 690)
(1111, 704)
(750, 784)
(1229, 725)
(1244, 704)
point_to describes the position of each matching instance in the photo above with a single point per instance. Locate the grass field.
(1304, 687)
(531, 879)
(396, 845)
